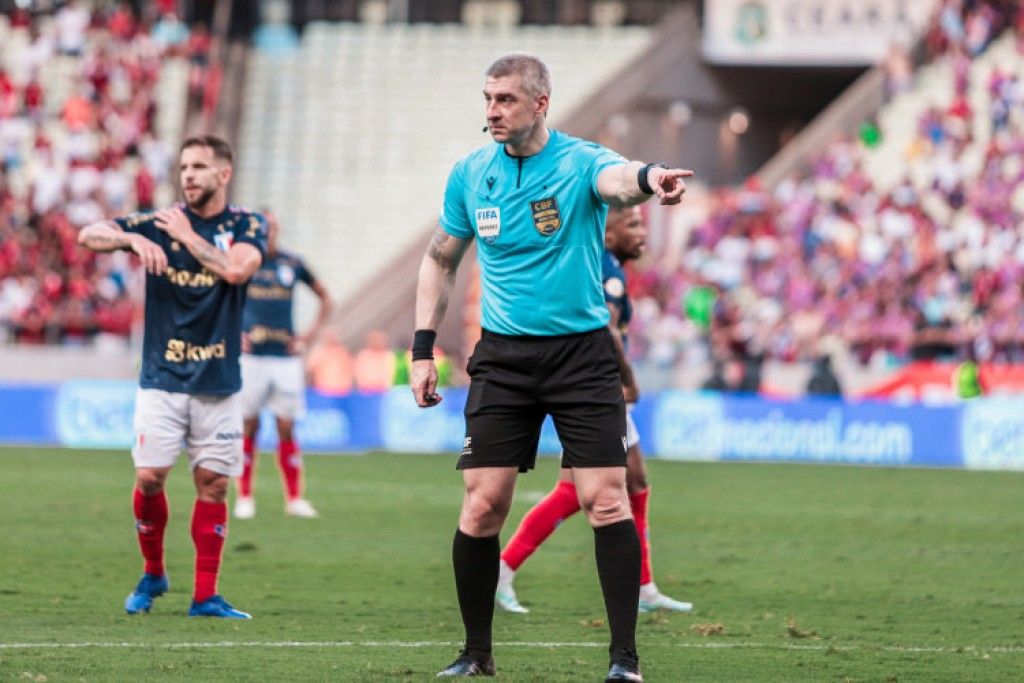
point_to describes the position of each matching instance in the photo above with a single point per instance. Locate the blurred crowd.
(78, 143)
(828, 258)
(928, 268)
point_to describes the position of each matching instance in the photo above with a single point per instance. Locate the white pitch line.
(958, 649)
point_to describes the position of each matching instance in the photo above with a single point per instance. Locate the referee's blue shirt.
(539, 224)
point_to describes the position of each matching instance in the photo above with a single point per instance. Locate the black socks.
(476, 578)
(617, 550)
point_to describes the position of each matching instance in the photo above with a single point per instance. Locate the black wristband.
(423, 344)
(641, 177)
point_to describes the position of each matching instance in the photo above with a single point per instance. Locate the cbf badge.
(488, 223)
(546, 217)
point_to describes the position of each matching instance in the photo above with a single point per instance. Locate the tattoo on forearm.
(207, 254)
(439, 309)
(107, 242)
(437, 242)
(440, 246)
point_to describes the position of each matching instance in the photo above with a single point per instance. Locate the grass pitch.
(797, 572)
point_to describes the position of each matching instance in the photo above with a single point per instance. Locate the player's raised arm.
(234, 266)
(436, 277)
(634, 183)
(108, 236)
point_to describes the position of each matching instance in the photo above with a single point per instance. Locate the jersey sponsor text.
(179, 351)
(187, 278)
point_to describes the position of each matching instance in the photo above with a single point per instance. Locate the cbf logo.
(546, 216)
(488, 224)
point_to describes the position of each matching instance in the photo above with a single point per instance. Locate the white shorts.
(210, 426)
(632, 435)
(273, 382)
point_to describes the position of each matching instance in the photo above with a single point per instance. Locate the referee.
(536, 203)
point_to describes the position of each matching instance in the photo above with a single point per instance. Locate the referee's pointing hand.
(668, 183)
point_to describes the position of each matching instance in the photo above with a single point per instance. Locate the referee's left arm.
(436, 278)
(635, 182)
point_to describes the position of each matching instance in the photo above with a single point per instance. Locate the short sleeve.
(602, 158)
(615, 291)
(252, 229)
(140, 222)
(303, 274)
(455, 218)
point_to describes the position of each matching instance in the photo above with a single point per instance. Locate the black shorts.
(516, 381)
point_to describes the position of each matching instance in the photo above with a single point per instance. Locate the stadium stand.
(900, 244)
(897, 242)
(90, 102)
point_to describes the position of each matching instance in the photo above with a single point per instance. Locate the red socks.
(638, 503)
(561, 504)
(249, 461)
(209, 529)
(150, 522)
(540, 522)
(289, 459)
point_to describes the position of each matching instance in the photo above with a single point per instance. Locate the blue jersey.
(193, 329)
(268, 310)
(540, 227)
(613, 277)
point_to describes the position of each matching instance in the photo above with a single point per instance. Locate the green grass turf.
(814, 573)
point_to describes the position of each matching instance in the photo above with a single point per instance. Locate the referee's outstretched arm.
(634, 182)
(437, 275)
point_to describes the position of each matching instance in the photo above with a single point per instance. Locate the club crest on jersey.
(488, 223)
(546, 217)
(286, 274)
(223, 240)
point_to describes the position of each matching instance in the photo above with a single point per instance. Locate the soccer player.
(624, 240)
(536, 201)
(272, 372)
(198, 258)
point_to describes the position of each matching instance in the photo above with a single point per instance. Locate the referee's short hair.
(536, 77)
(221, 148)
